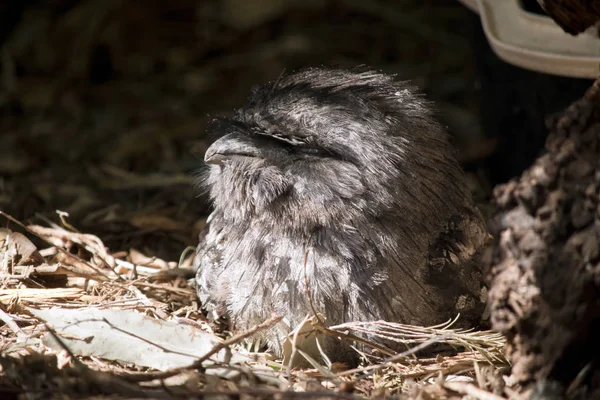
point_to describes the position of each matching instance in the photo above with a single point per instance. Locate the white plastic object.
(535, 41)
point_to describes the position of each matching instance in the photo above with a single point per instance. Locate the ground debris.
(108, 327)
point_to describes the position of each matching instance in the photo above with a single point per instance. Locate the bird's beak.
(228, 146)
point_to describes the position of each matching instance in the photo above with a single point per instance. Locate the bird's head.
(325, 145)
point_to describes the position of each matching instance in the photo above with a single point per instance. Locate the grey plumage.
(349, 170)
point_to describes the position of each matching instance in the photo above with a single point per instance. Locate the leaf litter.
(130, 326)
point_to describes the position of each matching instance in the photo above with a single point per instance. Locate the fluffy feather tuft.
(351, 167)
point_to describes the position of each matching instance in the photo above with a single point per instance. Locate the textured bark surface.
(545, 290)
(574, 16)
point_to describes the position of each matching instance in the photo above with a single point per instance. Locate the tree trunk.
(545, 289)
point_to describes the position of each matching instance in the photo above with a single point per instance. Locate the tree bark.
(545, 288)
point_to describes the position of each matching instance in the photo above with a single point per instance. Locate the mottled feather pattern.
(349, 167)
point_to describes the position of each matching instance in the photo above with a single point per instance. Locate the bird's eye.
(295, 144)
(300, 146)
(294, 141)
(311, 151)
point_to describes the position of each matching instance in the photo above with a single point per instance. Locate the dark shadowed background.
(104, 103)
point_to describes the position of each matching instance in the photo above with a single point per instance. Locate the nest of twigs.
(55, 279)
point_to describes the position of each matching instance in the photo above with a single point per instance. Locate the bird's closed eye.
(294, 144)
(292, 140)
(312, 151)
(297, 145)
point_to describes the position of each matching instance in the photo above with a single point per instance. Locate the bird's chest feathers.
(268, 261)
(277, 261)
